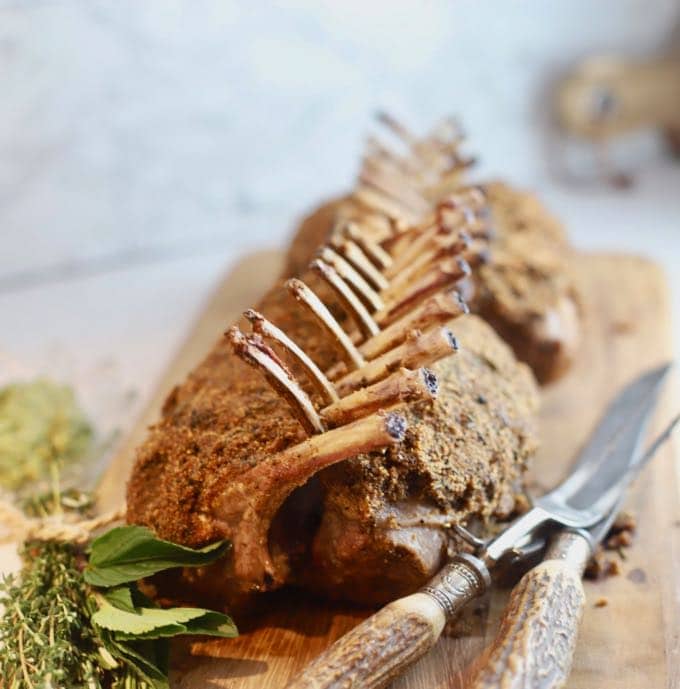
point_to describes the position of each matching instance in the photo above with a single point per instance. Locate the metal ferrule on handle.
(464, 578)
(378, 650)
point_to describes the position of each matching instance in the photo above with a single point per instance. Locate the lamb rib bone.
(393, 188)
(409, 244)
(377, 150)
(305, 296)
(349, 300)
(255, 352)
(441, 246)
(419, 349)
(442, 275)
(373, 250)
(401, 387)
(351, 276)
(377, 201)
(440, 308)
(354, 255)
(267, 329)
(431, 154)
(380, 225)
(248, 505)
(389, 169)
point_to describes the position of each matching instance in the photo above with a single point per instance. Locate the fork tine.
(615, 442)
(612, 496)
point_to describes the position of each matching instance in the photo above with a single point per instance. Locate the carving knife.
(379, 649)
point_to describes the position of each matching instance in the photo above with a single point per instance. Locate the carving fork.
(578, 513)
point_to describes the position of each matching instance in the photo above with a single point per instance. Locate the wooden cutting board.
(632, 642)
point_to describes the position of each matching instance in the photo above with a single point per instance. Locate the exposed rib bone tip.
(463, 304)
(396, 426)
(402, 386)
(464, 266)
(431, 381)
(465, 239)
(450, 203)
(235, 337)
(418, 349)
(452, 340)
(484, 213)
(483, 257)
(294, 285)
(254, 351)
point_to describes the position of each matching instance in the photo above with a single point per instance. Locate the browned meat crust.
(463, 456)
(463, 459)
(348, 512)
(525, 291)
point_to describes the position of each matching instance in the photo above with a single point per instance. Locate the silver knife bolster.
(464, 578)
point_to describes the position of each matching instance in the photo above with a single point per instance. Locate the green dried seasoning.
(41, 426)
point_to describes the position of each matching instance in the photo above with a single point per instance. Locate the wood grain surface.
(631, 642)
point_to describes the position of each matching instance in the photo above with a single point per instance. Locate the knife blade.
(379, 649)
(537, 636)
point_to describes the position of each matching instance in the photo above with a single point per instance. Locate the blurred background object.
(146, 144)
(610, 97)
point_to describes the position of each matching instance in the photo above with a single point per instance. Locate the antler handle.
(379, 649)
(535, 645)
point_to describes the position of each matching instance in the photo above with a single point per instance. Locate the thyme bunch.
(46, 638)
(75, 618)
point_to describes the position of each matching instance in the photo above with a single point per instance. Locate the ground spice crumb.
(601, 602)
(621, 532)
(600, 567)
(620, 536)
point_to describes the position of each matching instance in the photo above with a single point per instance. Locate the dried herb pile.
(41, 426)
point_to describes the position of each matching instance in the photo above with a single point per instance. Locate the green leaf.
(141, 620)
(128, 553)
(213, 624)
(120, 597)
(210, 624)
(148, 659)
(153, 623)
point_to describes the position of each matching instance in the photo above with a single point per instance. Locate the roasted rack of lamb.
(525, 292)
(313, 436)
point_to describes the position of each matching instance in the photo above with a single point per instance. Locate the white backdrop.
(136, 130)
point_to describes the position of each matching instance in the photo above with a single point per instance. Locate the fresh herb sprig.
(75, 618)
(78, 619)
(46, 639)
